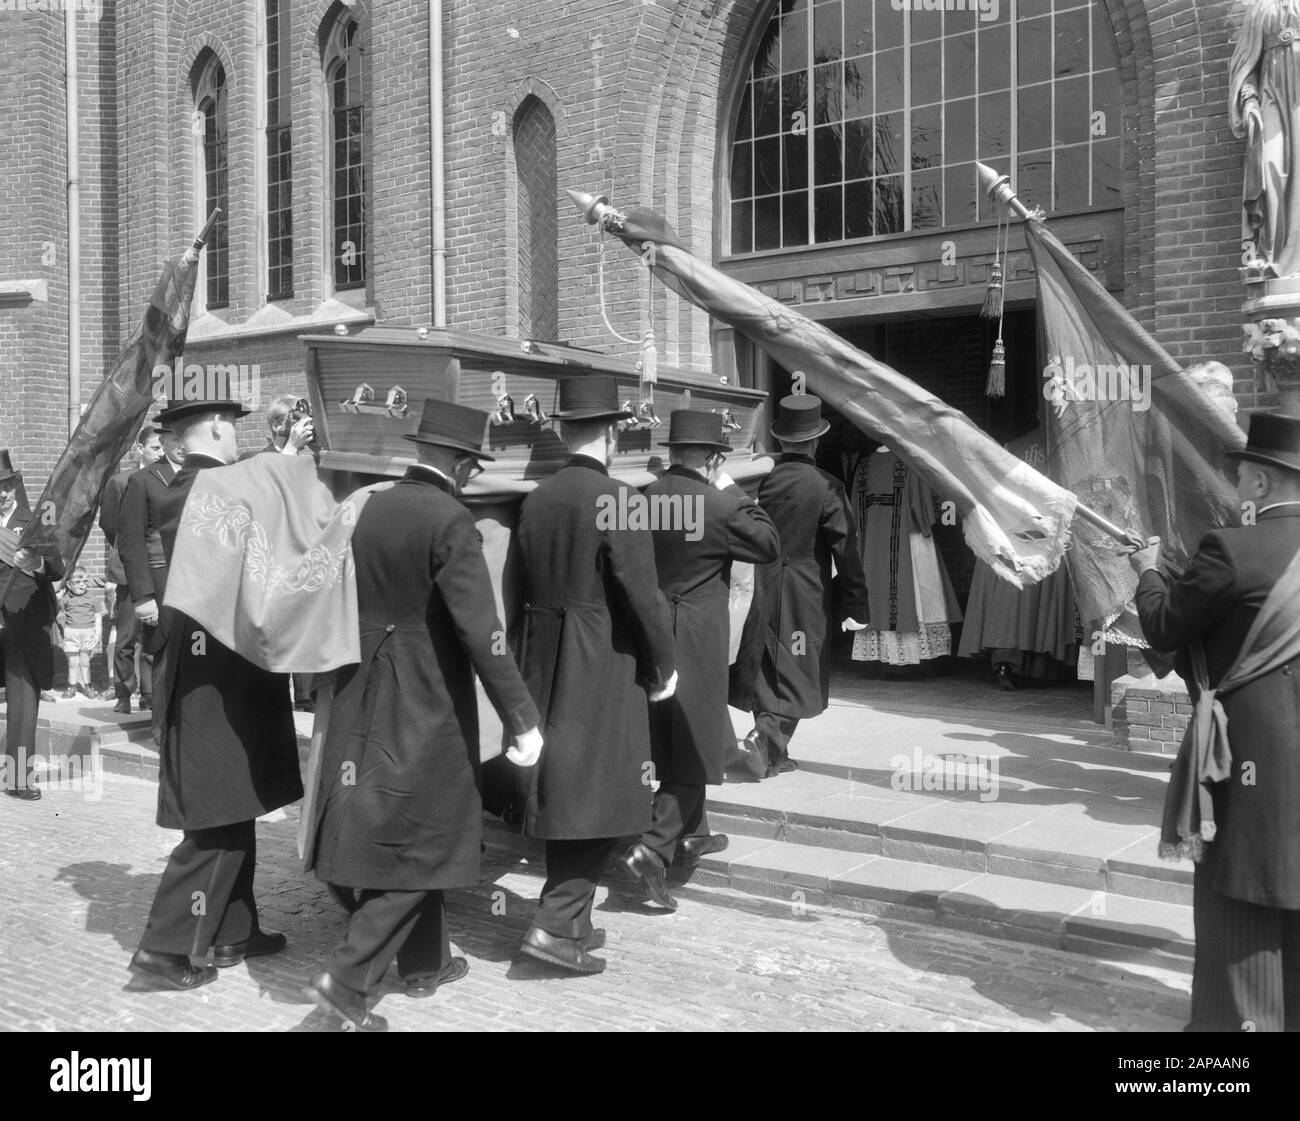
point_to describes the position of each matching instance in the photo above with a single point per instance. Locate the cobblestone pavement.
(79, 876)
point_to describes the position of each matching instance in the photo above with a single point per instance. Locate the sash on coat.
(1205, 756)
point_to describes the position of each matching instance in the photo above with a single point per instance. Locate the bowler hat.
(800, 419)
(695, 426)
(175, 411)
(7, 469)
(1274, 438)
(449, 425)
(594, 397)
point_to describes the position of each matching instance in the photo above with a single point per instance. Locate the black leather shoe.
(26, 793)
(262, 944)
(648, 867)
(170, 971)
(427, 985)
(567, 953)
(146, 702)
(1004, 677)
(691, 849)
(347, 1004)
(123, 705)
(753, 754)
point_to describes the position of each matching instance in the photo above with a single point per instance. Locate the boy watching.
(79, 615)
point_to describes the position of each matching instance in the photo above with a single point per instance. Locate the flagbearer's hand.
(1145, 558)
(527, 748)
(669, 688)
(29, 562)
(852, 625)
(147, 612)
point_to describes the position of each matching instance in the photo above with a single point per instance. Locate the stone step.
(1100, 923)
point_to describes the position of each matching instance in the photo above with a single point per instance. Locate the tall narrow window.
(539, 268)
(279, 166)
(345, 86)
(210, 101)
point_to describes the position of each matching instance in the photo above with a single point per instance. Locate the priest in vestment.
(1026, 632)
(911, 599)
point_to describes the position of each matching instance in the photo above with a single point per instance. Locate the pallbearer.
(701, 521)
(783, 669)
(594, 637)
(400, 814)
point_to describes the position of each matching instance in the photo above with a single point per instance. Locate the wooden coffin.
(368, 389)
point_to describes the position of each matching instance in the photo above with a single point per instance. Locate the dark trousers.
(410, 926)
(678, 812)
(22, 705)
(205, 897)
(1247, 973)
(573, 869)
(128, 641)
(774, 732)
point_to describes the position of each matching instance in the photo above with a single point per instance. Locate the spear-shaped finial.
(999, 189)
(596, 209)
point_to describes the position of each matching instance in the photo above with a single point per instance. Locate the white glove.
(526, 749)
(852, 625)
(723, 481)
(669, 688)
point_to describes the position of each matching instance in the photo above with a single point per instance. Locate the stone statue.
(1264, 108)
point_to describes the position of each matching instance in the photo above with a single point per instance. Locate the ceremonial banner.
(62, 517)
(263, 561)
(1014, 518)
(1128, 432)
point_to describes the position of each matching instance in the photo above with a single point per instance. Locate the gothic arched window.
(539, 268)
(211, 121)
(858, 119)
(279, 155)
(344, 59)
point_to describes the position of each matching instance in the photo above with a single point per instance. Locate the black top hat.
(800, 419)
(452, 426)
(1274, 438)
(175, 411)
(594, 397)
(694, 426)
(7, 469)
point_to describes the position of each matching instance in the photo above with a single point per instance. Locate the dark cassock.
(594, 635)
(698, 531)
(782, 672)
(1028, 632)
(228, 753)
(1246, 891)
(26, 636)
(400, 817)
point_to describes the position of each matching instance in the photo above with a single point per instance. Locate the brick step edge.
(1092, 935)
(1170, 883)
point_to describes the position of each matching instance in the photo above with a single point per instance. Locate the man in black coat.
(149, 451)
(1246, 893)
(594, 636)
(783, 669)
(700, 521)
(26, 645)
(138, 530)
(400, 818)
(228, 752)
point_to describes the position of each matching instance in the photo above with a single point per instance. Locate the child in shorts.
(79, 615)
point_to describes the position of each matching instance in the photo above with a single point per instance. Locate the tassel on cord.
(992, 308)
(996, 386)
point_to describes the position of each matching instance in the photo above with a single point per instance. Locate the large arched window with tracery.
(859, 120)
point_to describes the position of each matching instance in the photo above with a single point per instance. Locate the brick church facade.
(822, 150)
